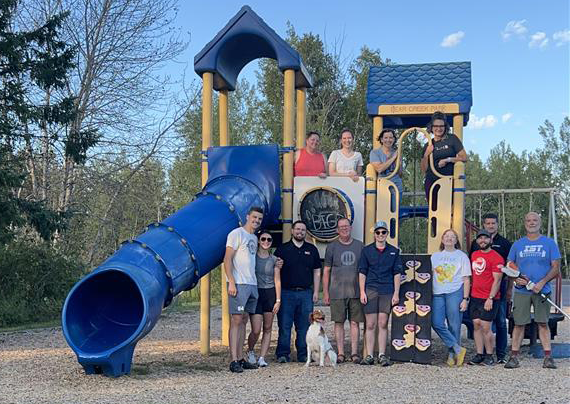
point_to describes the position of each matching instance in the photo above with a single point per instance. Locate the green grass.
(32, 326)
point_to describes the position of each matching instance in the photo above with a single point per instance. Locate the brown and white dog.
(318, 345)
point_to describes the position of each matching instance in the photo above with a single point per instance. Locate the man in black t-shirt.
(502, 246)
(300, 278)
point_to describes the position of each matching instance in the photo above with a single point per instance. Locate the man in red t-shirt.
(486, 266)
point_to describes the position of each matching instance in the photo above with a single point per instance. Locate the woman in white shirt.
(346, 162)
(451, 270)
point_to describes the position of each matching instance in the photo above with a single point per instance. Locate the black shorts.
(477, 310)
(266, 301)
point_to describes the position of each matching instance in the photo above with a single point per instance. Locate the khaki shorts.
(521, 308)
(341, 307)
(377, 303)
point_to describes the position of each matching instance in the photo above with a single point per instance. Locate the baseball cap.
(380, 224)
(483, 232)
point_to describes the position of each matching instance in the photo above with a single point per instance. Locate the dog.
(318, 345)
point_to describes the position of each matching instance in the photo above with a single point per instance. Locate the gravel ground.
(38, 367)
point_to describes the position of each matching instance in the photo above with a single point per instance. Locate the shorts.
(477, 309)
(265, 301)
(351, 306)
(245, 300)
(521, 308)
(377, 303)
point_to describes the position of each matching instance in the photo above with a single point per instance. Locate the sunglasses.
(382, 232)
(265, 239)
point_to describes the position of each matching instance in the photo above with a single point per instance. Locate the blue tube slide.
(108, 311)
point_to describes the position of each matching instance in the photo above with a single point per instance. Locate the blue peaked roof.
(430, 83)
(247, 37)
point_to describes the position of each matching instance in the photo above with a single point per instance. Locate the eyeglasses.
(438, 126)
(382, 232)
(265, 239)
(343, 227)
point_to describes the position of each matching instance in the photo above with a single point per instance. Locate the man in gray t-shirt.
(340, 287)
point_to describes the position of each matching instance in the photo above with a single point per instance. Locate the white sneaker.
(251, 357)
(261, 362)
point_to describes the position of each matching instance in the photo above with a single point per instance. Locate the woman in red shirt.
(309, 161)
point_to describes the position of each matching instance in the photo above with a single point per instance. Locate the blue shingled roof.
(247, 37)
(430, 83)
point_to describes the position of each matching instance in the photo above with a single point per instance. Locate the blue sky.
(519, 50)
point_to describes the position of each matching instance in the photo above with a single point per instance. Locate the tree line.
(95, 142)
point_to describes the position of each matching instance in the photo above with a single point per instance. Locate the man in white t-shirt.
(239, 264)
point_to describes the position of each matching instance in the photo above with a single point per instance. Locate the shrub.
(35, 281)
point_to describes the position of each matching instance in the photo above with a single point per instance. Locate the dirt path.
(38, 367)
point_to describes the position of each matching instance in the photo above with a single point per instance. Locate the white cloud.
(452, 39)
(538, 40)
(480, 123)
(561, 37)
(514, 28)
(505, 118)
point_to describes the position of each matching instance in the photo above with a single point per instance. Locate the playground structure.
(116, 305)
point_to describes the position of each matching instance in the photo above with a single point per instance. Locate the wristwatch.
(466, 299)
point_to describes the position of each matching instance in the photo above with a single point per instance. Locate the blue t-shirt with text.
(534, 259)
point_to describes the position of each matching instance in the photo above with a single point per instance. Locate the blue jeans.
(446, 307)
(295, 309)
(501, 329)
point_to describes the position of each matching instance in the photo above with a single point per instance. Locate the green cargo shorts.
(521, 308)
(341, 307)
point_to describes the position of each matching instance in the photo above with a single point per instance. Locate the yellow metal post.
(224, 141)
(288, 157)
(377, 126)
(207, 90)
(301, 117)
(459, 185)
(370, 216)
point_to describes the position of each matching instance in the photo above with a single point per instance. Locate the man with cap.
(380, 268)
(502, 246)
(486, 275)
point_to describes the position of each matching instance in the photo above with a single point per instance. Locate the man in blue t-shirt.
(538, 260)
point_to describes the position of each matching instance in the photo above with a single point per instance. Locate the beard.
(298, 236)
(484, 246)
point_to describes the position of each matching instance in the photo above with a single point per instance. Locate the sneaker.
(502, 360)
(488, 361)
(477, 360)
(251, 357)
(383, 360)
(460, 357)
(246, 365)
(282, 359)
(549, 363)
(512, 363)
(261, 362)
(369, 360)
(235, 367)
(450, 361)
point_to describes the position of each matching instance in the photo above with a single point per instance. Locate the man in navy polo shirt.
(300, 277)
(380, 268)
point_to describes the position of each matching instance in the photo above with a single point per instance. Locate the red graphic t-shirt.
(483, 265)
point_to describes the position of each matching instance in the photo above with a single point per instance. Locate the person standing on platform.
(300, 280)
(309, 161)
(380, 270)
(486, 276)
(346, 162)
(502, 246)
(538, 260)
(446, 148)
(341, 290)
(384, 158)
(239, 264)
(451, 271)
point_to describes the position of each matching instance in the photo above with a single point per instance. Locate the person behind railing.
(384, 158)
(446, 148)
(309, 161)
(346, 162)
